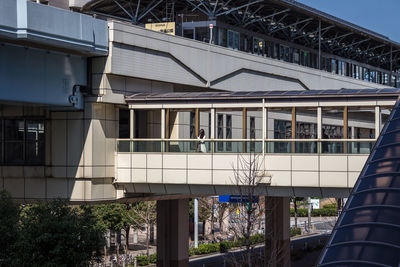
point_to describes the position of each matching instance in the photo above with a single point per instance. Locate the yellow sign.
(165, 27)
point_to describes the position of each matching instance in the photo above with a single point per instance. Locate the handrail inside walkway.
(271, 146)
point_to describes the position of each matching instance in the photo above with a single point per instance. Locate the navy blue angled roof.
(368, 231)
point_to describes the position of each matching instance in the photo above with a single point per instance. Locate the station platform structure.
(303, 158)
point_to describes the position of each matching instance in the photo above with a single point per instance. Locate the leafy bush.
(193, 251)
(207, 248)
(329, 206)
(153, 258)
(324, 212)
(55, 234)
(314, 212)
(224, 246)
(257, 238)
(295, 231)
(142, 260)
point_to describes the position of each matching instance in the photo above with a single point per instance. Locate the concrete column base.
(173, 233)
(277, 231)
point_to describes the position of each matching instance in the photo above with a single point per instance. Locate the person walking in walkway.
(202, 145)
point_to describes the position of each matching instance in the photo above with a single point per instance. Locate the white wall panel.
(174, 176)
(333, 163)
(174, 161)
(200, 161)
(356, 163)
(281, 178)
(304, 179)
(333, 179)
(199, 176)
(304, 163)
(278, 163)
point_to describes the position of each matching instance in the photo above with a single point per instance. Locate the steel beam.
(123, 9)
(239, 7)
(266, 17)
(291, 25)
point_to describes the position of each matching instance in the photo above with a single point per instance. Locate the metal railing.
(271, 146)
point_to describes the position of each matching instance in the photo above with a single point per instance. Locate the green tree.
(144, 215)
(113, 217)
(54, 234)
(295, 200)
(8, 227)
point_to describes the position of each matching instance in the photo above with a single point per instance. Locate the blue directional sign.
(237, 199)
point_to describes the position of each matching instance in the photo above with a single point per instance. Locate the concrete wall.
(80, 150)
(203, 172)
(53, 27)
(140, 53)
(38, 76)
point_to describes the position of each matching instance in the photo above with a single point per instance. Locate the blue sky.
(381, 16)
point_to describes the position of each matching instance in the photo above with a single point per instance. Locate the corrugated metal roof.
(368, 231)
(246, 95)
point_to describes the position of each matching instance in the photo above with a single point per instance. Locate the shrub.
(257, 238)
(295, 231)
(224, 246)
(314, 212)
(193, 251)
(142, 260)
(329, 206)
(153, 258)
(324, 212)
(205, 249)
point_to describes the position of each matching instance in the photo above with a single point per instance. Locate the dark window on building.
(233, 40)
(282, 129)
(202, 34)
(252, 127)
(258, 46)
(22, 141)
(124, 128)
(296, 56)
(228, 132)
(252, 133)
(222, 37)
(192, 125)
(188, 33)
(220, 131)
(209, 125)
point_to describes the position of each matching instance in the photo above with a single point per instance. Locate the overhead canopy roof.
(283, 19)
(254, 95)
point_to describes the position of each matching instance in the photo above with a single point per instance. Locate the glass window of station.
(22, 141)
(262, 46)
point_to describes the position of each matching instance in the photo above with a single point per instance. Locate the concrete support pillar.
(345, 123)
(163, 123)
(265, 122)
(173, 233)
(244, 123)
(132, 123)
(197, 122)
(277, 231)
(378, 121)
(345, 128)
(244, 129)
(167, 123)
(293, 145)
(319, 123)
(212, 124)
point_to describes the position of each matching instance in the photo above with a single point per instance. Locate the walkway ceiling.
(282, 19)
(392, 93)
